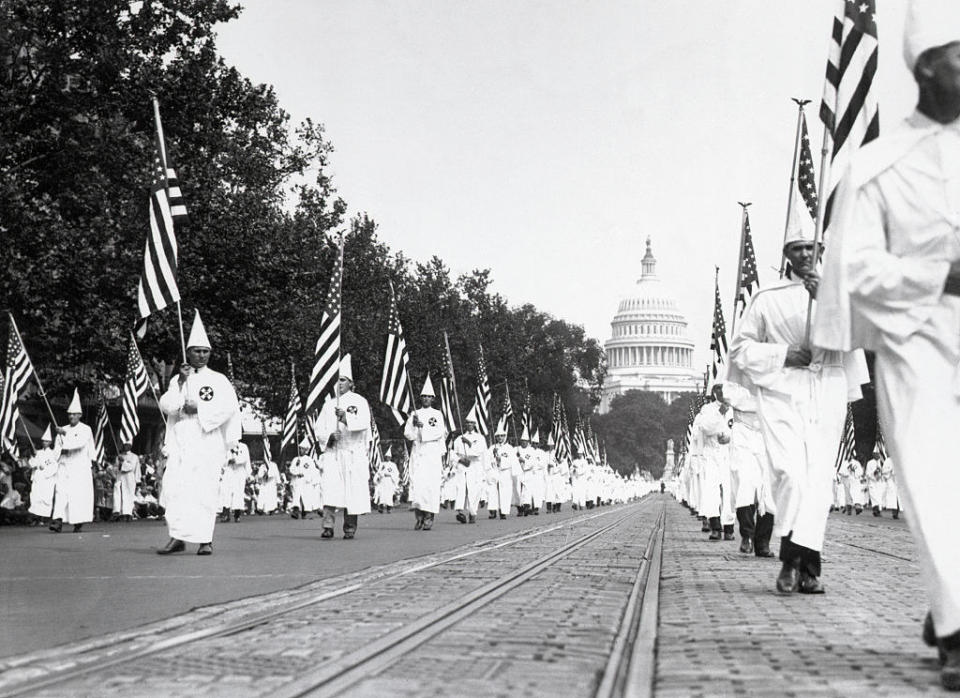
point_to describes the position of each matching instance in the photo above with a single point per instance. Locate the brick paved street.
(725, 631)
(722, 630)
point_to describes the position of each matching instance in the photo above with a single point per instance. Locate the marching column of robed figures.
(889, 283)
(206, 473)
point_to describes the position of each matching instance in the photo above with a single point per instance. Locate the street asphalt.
(59, 588)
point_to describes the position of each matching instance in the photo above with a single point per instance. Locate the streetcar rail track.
(338, 675)
(630, 667)
(108, 656)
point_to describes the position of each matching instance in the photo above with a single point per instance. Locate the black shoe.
(728, 536)
(173, 546)
(56, 526)
(236, 516)
(746, 546)
(493, 514)
(428, 522)
(461, 518)
(327, 533)
(715, 535)
(503, 516)
(896, 514)
(77, 527)
(950, 669)
(348, 535)
(295, 513)
(765, 553)
(788, 581)
(810, 585)
(472, 519)
(858, 509)
(705, 528)
(205, 549)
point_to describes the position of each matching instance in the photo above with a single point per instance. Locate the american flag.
(525, 419)
(718, 338)
(100, 428)
(482, 404)
(448, 389)
(326, 369)
(12, 448)
(292, 414)
(850, 110)
(749, 279)
(806, 178)
(17, 373)
(265, 440)
(579, 438)
(374, 454)
(506, 409)
(556, 431)
(310, 431)
(158, 281)
(135, 384)
(847, 441)
(395, 382)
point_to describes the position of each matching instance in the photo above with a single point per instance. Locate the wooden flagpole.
(793, 177)
(821, 213)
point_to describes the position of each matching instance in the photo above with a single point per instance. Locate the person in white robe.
(203, 425)
(297, 468)
(713, 424)
(502, 459)
(578, 481)
(526, 455)
(891, 499)
(73, 502)
(386, 483)
(538, 476)
(801, 394)
(876, 488)
(426, 430)
(233, 482)
(125, 485)
(269, 476)
(468, 452)
(852, 475)
(343, 427)
(892, 278)
(43, 476)
(750, 474)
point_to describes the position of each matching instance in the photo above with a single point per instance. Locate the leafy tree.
(636, 429)
(76, 163)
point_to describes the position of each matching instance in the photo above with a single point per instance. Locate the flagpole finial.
(801, 102)
(745, 204)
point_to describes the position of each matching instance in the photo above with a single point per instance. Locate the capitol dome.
(649, 348)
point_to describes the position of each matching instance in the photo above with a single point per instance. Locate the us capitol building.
(649, 349)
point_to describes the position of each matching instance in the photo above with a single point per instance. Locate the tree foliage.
(76, 153)
(636, 429)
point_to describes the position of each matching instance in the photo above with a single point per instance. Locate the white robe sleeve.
(760, 360)
(171, 402)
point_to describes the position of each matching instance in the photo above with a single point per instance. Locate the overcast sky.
(547, 139)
